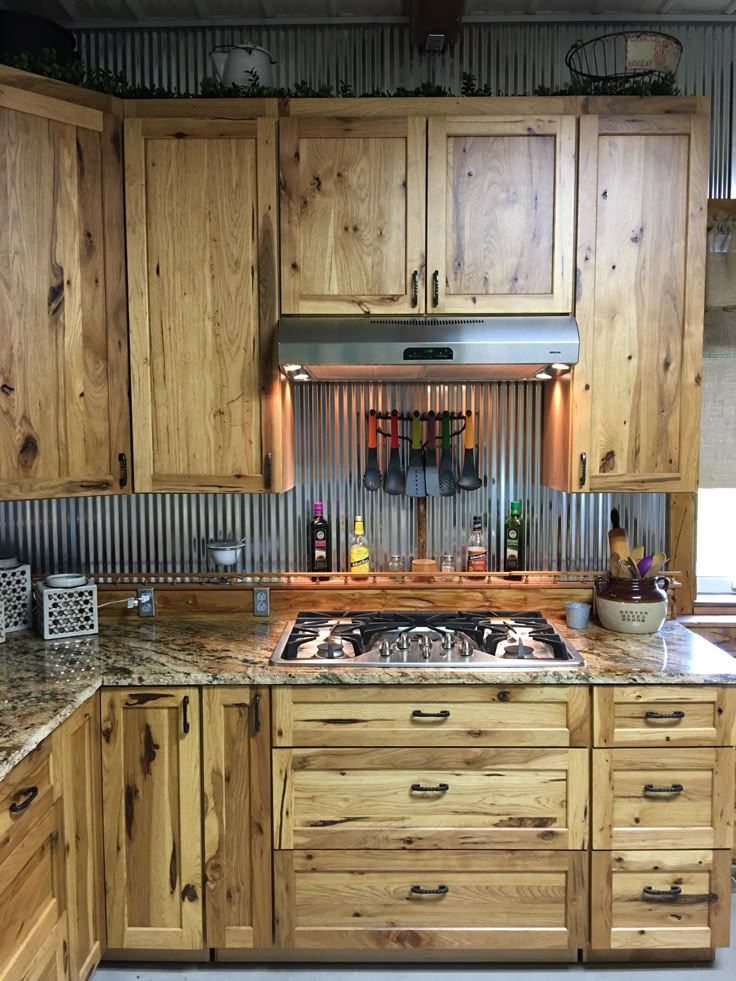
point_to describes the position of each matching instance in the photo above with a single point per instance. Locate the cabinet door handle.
(257, 713)
(665, 715)
(420, 714)
(123, 461)
(268, 471)
(439, 788)
(436, 288)
(583, 468)
(185, 714)
(415, 288)
(30, 794)
(674, 788)
(421, 891)
(672, 893)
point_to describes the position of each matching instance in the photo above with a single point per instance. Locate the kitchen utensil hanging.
(393, 480)
(372, 475)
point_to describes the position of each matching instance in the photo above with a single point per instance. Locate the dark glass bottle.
(513, 547)
(320, 550)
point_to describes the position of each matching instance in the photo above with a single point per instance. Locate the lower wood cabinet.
(50, 963)
(660, 899)
(152, 817)
(391, 900)
(237, 816)
(430, 798)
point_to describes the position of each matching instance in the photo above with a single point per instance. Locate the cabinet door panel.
(202, 279)
(152, 818)
(64, 415)
(352, 215)
(237, 818)
(501, 214)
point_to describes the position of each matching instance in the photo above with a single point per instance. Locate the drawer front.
(30, 894)
(49, 962)
(419, 798)
(676, 899)
(663, 715)
(674, 798)
(27, 793)
(430, 899)
(431, 715)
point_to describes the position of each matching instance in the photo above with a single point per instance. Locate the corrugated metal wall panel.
(169, 532)
(512, 58)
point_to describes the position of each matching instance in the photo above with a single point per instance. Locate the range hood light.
(543, 375)
(291, 368)
(558, 366)
(301, 377)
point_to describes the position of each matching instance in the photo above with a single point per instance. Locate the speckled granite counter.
(42, 682)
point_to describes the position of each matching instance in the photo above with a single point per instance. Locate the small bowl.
(65, 581)
(9, 562)
(225, 553)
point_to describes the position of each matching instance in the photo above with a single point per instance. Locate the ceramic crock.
(631, 606)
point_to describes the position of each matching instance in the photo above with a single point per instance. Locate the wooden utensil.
(614, 564)
(658, 560)
(632, 567)
(637, 554)
(617, 540)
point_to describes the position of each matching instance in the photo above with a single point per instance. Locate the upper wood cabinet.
(352, 215)
(64, 413)
(209, 407)
(629, 418)
(501, 214)
(152, 818)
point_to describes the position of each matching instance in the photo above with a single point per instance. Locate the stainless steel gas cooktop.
(426, 639)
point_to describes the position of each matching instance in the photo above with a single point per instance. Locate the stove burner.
(331, 647)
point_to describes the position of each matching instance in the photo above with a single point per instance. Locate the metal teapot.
(236, 64)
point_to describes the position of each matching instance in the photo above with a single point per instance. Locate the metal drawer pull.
(439, 891)
(440, 788)
(436, 288)
(415, 288)
(185, 714)
(665, 715)
(675, 788)
(30, 794)
(419, 714)
(672, 893)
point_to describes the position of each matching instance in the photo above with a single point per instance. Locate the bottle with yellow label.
(360, 560)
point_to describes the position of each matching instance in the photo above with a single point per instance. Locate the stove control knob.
(403, 642)
(425, 650)
(385, 649)
(448, 641)
(466, 650)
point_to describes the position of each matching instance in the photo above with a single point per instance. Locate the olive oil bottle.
(513, 551)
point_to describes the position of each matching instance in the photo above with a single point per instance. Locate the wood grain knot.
(189, 893)
(28, 452)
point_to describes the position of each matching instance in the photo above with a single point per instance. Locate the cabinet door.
(202, 284)
(77, 745)
(64, 414)
(501, 215)
(237, 816)
(152, 818)
(352, 215)
(633, 410)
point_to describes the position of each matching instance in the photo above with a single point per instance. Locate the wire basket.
(624, 56)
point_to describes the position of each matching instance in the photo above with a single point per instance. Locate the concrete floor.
(724, 969)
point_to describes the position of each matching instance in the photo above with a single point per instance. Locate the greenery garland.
(103, 80)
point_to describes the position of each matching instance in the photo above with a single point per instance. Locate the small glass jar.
(395, 563)
(447, 563)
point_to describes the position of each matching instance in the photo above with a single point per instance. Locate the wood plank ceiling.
(150, 12)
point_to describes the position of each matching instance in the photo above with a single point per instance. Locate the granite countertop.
(43, 682)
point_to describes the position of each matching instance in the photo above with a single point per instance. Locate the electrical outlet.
(261, 601)
(146, 602)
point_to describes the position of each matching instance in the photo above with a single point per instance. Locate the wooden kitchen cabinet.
(237, 816)
(151, 810)
(663, 715)
(77, 754)
(501, 214)
(352, 215)
(628, 418)
(210, 410)
(64, 410)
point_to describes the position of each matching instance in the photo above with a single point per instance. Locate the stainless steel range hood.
(451, 349)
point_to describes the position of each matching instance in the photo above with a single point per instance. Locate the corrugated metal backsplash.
(169, 532)
(513, 58)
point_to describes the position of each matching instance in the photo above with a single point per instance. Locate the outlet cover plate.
(146, 602)
(261, 601)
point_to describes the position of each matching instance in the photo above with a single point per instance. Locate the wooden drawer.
(663, 715)
(27, 793)
(31, 883)
(431, 715)
(487, 900)
(673, 798)
(660, 899)
(49, 963)
(439, 798)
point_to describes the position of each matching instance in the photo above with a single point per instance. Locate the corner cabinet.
(629, 418)
(210, 410)
(64, 413)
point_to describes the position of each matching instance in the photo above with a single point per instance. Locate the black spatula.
(415, 483)
(469, 479)
(393, 479)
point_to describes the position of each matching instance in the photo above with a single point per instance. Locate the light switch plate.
(261, 601)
